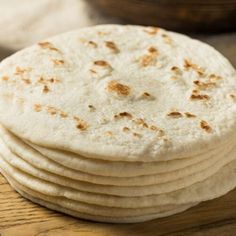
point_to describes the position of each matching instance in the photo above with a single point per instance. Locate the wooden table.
(19, 217)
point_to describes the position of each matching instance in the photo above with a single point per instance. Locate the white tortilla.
(53, 206)
(128, 191)
(215, 186)
(116, 81)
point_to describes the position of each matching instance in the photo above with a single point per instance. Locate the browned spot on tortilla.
(204, 85)
(58, 62)
(48, 45)
(189, 115)
(189, 65)
(118, 88)
(45, 89)
(149, 58)
(51, 110)
(80, 124)
(5, 78)
(197, 96)
(137, 135)
(204, 125)
(37, 107)
(141, 122)
(175, 114)
(126, 129)
(63, 114)
(123, 114)
(26, 81)
(112, 46)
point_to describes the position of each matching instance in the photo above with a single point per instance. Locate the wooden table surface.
(19, 217)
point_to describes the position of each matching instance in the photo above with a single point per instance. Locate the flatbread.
(105, 168)
(163, 182)
(53, 206)
(73, 94)
(128, 191)
(215, 186)
(126, 169)
(95, 209)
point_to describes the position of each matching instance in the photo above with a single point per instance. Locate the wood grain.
(182, 15)
(19, 217)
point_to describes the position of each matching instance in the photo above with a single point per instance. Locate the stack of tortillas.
(118, 123)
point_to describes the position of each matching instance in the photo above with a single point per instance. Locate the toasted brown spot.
(137, 135)
(199, 97)
(54, 80)
(118, 88)
(214, 77)
(63, 114)
(167, 38)
(150, 58)
(37, 107)
(233, 96)
(5, 78)
(58, 62)
(196, 96)
(151, 30)
(91, 108)
(45, 89)
(123, 114)
(41, 80)
(147, 60)
(51, 110)
(153, 128)
(101, 63)
(147, 96)
(26, 81)
(153, 50)
(141, 122)
(189, 115)
(20, 71)
(203, 85)
(176, 70)
(93, 44)
(189, 65)
(173, 78)
(204, 125)
(175, 114)
(126, 129)
(82, 125)
(48, 45)
(112, 46)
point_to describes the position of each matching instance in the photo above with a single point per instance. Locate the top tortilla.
(126, 93)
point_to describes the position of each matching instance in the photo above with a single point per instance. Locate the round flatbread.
(126, 93)
(128, 191)
(53, 206)
(217, 185)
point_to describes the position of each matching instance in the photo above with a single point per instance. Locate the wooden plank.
(19, 217)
